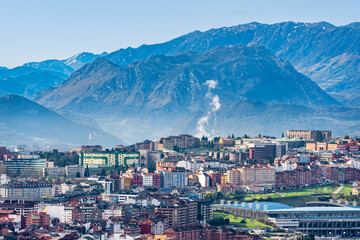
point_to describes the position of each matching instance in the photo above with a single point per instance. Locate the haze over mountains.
(34, 77)
(174, 82)
(208, 83)
(30, 123)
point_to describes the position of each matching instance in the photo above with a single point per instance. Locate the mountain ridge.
(327, 54)
(172, 93)
(228, 61)
(27, 122)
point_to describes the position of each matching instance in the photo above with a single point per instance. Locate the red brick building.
(215, 179)
(40, 219)
(188, 232)
(156, 179)
(228, 234)
(292, 179)
(137, 180)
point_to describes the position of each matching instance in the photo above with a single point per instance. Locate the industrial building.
(323, 220)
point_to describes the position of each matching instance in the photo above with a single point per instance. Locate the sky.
(36, 30)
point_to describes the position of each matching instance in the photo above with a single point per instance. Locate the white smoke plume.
(214, 105)
(211, 84)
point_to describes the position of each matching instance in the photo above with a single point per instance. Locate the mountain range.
(327, 54)
(198, 92)
(34, 77)
(26, 122)
(174, 82)
(248, 78)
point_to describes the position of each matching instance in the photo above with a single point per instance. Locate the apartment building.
(266, 151)
(74, 171)
(26, 190)
(179, 213)
(31, 166)
(39, 219)
(307, 134)
(183, 141)
(256, 175)
(174, 178)
(350, 146)
(152, 179)
(109, 158)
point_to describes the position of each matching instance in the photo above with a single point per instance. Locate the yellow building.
(226, 142)
(332, 146)
(321, 146)
(311, 146)
(162, 237)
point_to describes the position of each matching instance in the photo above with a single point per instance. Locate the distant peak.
(323, 24)
(354, 25)
(14, 97)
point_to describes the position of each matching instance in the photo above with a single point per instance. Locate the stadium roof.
(319, 209)
(276, 207)
(263, 206)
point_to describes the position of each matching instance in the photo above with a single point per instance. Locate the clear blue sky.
(35, 30)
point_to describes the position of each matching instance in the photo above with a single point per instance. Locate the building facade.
(109, 158)
(31, 167)
(27, 190)
(307, 134)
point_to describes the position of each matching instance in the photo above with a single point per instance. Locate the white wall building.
(4, 179)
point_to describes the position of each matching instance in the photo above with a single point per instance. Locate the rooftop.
(275, 207)
(262, 206)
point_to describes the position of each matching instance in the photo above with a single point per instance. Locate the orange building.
(125, 183)
(166, 164)
(39, 219)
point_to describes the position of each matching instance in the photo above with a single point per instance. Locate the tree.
(239, 194)
(78, 175)
(176, 148)
(87, 171)
(232, 136)
(210, 196)
(61, 159)
(219, 221)
(219, 195)
(245, 136)
(282, 135)
(318, 136)
(103, 172)
(216, 139)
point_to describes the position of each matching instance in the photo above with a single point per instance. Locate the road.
(337, 190)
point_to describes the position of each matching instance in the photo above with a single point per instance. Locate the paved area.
(338, 190)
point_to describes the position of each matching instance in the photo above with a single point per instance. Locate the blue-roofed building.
(324, 220)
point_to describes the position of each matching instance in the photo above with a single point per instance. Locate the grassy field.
(236, 221)
(346, 190)
(325, 190)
